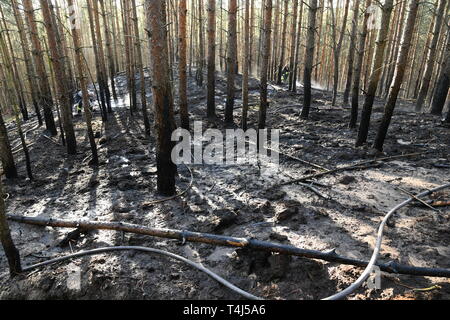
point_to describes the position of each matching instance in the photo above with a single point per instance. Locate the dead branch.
(220, 240)
(347, 168)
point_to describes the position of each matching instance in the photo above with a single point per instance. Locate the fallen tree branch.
(345, 168)
(417, 199)
(220, 240)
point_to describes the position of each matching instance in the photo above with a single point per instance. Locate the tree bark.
(245, 65)
(399, 74)
(309, 58)
(211, 104)
(265, 64)
(375, 74)
(293, 44)
(83, 84)
(431, 56)
(351, 52)
(61, 83)
(443, 83)
(231, 60)
(6, 156)
(45, 94)
(31, 77)
(140, 66)
(109, 49)
(283, 42)
(162, 96)
(11, 252)
(358, 68)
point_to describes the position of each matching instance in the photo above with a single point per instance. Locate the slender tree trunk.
(375, 75)
(293, 44)
(358, 68)
(201, 45)
(101, 54)
(109, 49)
(6, 156)
(245, 65)
(162, 96)
(11, 252)
(309, 58)
(231, 60)
(443, 83)
(399, 74)
(211, 104)
(61, 83)
(31, 77)
(140, 66)
(337, 45)
(351, 52)
(83, 84)
(15, 101)
(182, 87)
(12, 67)
(431, 56)
(295, 71)
(45, 95)
(283, 43)
(100, 83)
(265, 64)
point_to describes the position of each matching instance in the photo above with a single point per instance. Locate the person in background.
(78, 100)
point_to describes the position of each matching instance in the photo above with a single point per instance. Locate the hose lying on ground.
(146, 250)
(376, 251)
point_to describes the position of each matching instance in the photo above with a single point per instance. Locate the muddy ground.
(232, 200)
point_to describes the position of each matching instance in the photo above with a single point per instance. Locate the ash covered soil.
(235, 201)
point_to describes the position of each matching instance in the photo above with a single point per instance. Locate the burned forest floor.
(233, 200)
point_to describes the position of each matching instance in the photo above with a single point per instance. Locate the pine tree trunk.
(431, 57)
(201, 46)
(109, 49)
(182, 87)
(12, 67)
(337, 45)
(295, 71)
(83, 84)
(31, 77)
(11, 252)
(358, 68)
(265, 64)
(375, 73)
(211, 104)
(309, 58)
(45, 95)
(351, 52)
(101, 54)
(140, 66)
(399, 74)
(6, 156)
(231, 60)
(61, 83)
(443, 83)
(283, 43)
(293, 44)
(245, 65)
(162, 96)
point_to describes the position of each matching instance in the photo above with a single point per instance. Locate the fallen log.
(220, 240)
